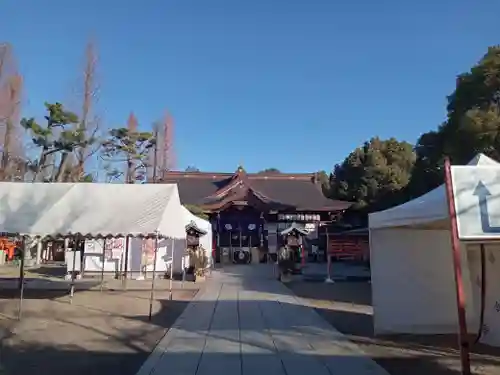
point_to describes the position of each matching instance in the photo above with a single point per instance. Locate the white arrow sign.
(477, 201)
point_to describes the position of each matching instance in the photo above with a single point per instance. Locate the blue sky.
(291, 84)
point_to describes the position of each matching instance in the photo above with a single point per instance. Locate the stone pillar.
(255, 255)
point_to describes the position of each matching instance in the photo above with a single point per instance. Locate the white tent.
(167, 254)
(22, 205)
(114, 210)
(94, 210)
(413, 288)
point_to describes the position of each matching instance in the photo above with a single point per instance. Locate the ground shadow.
(41, 289)
(257, 357)
(26, 360)
(349, 311)
(224, 317)
(49, 270)
(348, 292)
(93, 335)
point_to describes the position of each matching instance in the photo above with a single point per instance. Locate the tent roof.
(431, 207)
(23, 204)
(91, 209)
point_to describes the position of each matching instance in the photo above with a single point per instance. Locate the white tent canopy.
(413, 287)
(169, 252)
(22, 205)
(92, 210)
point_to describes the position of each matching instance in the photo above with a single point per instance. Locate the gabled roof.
(195, 229)
(280, 191)
(296, 228)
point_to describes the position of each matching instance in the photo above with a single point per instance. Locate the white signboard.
(477, 201)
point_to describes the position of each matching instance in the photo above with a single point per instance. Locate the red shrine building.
(248, 211)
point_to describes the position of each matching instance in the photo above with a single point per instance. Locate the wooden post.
(459, 288)
(153, 280)
(171, 272)
(72, 288)
(103, 262)
(82, 260)
(125, 276)
(21, 279)
(329, 279)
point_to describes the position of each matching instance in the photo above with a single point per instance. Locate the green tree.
(130, 147)
(57, 139)
(322, 178)
(197, 211)
(192, 168)
(269, 171)
(472, 125)
(375, 175)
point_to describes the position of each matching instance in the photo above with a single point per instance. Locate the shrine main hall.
(249, 210)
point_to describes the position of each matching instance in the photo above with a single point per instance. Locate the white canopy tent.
(166, 253)
(92, 210)
(412, 273)
(23, 205)
(115, 210)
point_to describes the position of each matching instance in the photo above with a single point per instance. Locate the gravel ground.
(347, 306)
(99, 333)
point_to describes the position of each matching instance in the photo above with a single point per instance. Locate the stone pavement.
(246, 322)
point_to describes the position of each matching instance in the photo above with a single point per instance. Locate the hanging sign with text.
(477, 201)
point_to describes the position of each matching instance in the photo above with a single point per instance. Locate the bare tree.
(89, 121)
(10, 106)
(165, 152)
(169, 159)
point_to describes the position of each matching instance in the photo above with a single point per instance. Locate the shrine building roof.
(281, 191)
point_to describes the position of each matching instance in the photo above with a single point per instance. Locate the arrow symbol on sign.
(482, 193)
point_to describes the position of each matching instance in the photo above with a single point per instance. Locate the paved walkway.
(245, 322)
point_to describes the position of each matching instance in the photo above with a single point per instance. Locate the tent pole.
(125, 276)
(72, 289)
(82, 261)
(459, 288)
(171, 272)
(21, 279)
(103, 261)
(153, 281)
